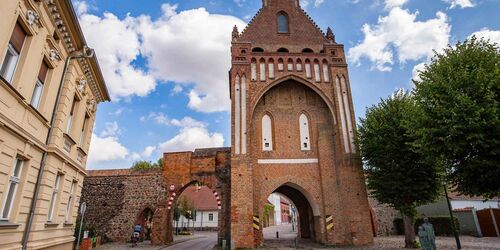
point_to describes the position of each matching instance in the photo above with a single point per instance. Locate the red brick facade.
(266, 79)
(208, 167)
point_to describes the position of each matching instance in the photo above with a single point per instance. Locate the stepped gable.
(261, 30)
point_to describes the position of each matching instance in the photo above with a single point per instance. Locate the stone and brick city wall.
(115, 199)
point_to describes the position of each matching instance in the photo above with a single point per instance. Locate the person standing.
(431, 236)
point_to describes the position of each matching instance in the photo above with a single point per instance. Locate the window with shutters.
(11, 58)
(11, 194)
(39, 84)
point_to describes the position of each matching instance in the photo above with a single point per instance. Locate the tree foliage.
(186, 207)
(397, 174)
(143, 165)
(460, 127)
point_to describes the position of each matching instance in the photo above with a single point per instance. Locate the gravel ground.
(397, 242)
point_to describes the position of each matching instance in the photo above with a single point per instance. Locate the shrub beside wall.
(442, 225)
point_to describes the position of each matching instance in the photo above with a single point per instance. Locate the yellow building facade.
(45, 126)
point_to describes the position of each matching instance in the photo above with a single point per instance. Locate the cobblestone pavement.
(395, 242)
(146, 245)
(287, 241)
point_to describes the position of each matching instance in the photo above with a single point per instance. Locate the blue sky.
(166, 62)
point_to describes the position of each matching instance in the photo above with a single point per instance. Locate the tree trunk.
(409, 231)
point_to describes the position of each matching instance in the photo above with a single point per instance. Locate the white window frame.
(53, 200)
(14, 180)
(11, 70)
(70, 201)
(210, 217)
(37, 95)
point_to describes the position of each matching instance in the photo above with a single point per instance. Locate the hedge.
(442, 225)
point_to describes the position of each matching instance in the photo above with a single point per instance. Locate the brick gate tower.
(293, 129)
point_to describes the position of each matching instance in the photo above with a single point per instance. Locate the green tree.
(460, 126)
(397, 174)
(186, 208)
(159, 163)
(142, 165)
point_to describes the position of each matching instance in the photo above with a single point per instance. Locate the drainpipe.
(85, 53)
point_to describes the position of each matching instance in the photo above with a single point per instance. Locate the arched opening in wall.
(144, 219)
(257, 49)
(307, 50)
(288, 216)
(196, 211)
(282, 50)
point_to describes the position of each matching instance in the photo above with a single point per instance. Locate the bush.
(442, 226)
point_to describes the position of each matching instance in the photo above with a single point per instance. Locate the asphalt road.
(205, 243)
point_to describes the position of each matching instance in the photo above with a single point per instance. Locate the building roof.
(203, 199)
(456, 196)
(63, 13)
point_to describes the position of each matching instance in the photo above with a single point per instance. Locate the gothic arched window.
(304, 133)
(267, 133)
(282, 22)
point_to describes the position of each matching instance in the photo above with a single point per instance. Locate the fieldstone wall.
(116, 198)
(384, 216)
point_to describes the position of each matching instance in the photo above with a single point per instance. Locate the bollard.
(223, 244)
(277, 235)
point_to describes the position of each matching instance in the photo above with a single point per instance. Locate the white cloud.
(460, 3)
(400, 33)
(239, 2)
(389, 4)
(190, 48)
(148, 151)
(190, 138)
(177, 89)
(117, 112)
(104, 149)
(416, 69)
(162, 119)
(111, 129)
(492, 35)
(116, 52)
(316, 3)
